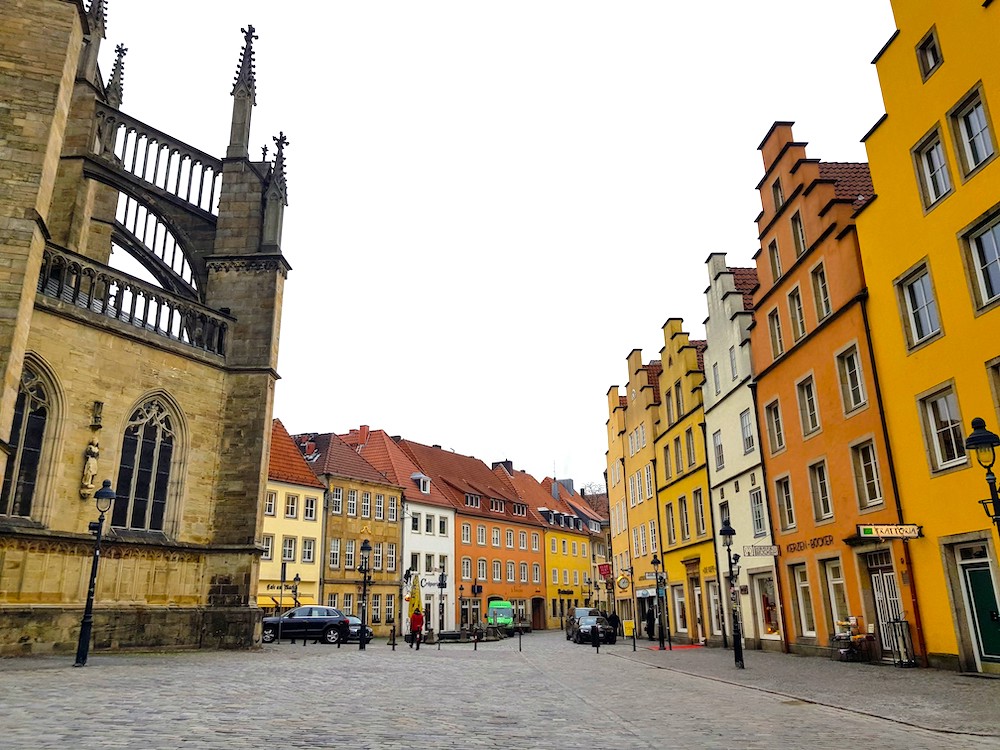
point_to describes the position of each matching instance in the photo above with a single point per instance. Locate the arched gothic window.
(31, 412)
(144, 471)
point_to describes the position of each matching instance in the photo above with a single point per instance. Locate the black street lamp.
(985, 443)
(728, 532)
(103, 498)
(366, 578)
(586, 590)
(661, 585)
(461, 604)
(442, 585)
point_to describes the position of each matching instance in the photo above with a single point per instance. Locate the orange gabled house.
(825, 454)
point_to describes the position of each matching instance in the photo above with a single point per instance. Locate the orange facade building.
(825, 454)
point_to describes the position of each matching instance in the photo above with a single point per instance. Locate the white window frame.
(932, 169)
(775, 426)
(805, 391)
(821, 292)
(852, 379)
(746, 431)
(757, 512)
(920, 305)
(972, 127)
(819, 488)
(719, 450)
(774, 255)
(867, 477)
(798, 235)
(777, 340)
(943, 427)
(785, 502)
(984, 251)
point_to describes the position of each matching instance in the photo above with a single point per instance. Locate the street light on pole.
(103, 498)
(985, 443)
(365, 571)
(661, 585)
(728, 532)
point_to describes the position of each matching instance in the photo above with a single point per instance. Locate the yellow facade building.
(682, 485)
(292, 560)
(929, 243)
(632, 424)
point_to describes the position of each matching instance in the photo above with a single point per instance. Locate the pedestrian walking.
(650, 623)
(616, 622)
(416, 628)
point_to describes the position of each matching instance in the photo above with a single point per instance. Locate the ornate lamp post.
(985, 443)
(587, 591)
(366, 578)
(728, 532)
(103, 498)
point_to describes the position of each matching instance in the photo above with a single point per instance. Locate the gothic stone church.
(163, 387)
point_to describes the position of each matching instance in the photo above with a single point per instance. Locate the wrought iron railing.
(79, 281)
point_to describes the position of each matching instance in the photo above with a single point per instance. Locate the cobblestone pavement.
(549, 694)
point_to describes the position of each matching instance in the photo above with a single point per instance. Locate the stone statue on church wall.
(91, 454)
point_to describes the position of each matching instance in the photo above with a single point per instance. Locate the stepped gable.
(331, 456)
(745, 280)
(457, 475)
(853, 181)
(285, 461)
(382, 452)
(700, 346)
(653, 370)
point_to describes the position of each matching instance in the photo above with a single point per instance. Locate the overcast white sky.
(491, 204)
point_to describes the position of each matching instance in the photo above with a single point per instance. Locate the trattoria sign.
(890, 531)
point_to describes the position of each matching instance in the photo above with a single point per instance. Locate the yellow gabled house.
(292, 536)
(631, 425)
(930, 244)
(685, 525)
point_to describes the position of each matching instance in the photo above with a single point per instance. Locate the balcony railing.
(161, 160)
(81, 282)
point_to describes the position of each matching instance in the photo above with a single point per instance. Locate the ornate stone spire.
(275, 200)
(244, 98)
(97, 20)
(115, 88)
(97, 16)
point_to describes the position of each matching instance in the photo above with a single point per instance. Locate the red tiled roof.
(285, 463)
(853, 180)
(700, 346)
(653, 369)
(456, 475)
(745, 280)
(335, 458)
(382, 452)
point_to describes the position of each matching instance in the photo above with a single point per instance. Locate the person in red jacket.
(416, 628)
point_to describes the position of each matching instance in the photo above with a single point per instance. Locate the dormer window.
(496, 505)
(423, 482)
(471, 501)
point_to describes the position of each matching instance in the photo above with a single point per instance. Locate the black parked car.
(323, 623)
(583, 628)
(356, 629)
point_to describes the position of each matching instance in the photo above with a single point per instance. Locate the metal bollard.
(519, 633)
(595, 637)
(392, 637)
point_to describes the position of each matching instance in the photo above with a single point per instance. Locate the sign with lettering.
(890, 531)
(760, 550)
(649, 576)
(604, 569)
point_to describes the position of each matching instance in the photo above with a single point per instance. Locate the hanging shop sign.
(760, 550)
(890, 531)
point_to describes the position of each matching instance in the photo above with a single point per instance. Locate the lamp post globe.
(727, 532)
(985, 443)
(103, 499)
